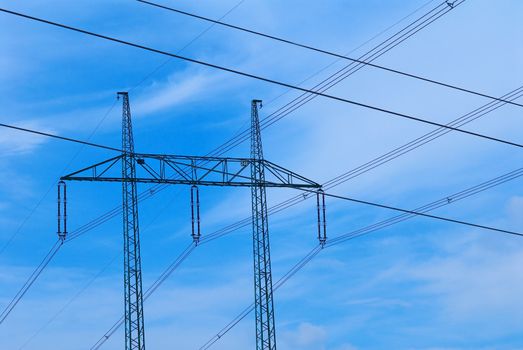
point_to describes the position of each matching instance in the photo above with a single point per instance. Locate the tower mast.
(134, 322)
(264, 305)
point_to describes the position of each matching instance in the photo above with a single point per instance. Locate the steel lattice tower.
(264, 306)
(134, 323)
(194, 171)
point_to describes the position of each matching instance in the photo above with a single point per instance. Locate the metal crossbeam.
(192, 170)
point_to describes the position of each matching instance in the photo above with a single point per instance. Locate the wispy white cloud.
(179, 88)
(14, 143)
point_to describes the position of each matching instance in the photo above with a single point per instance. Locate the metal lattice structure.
(254, 172)
(192, 170)
(134, 320)
(263, 297)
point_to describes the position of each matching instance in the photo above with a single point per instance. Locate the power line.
(481, 111)
(170, 269)
(343, 73)
(385, 158)
(374, 53)
(69, 302)
(455, 197)
(330, 53)
(40, 201)
(46, 134)
(33, 280)
(417, 213)
(288, 203)
(260, 78)
(20, 294)
(371, 55)
(364, 231)
(193, 40)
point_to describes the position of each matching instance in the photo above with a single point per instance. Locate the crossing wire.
(360, 170)
(329, 53)
(479, 112)
(340, 75)
(20, 294)
(389, 156)
(364, 231)
(385, 46)
(376, 52)
(261, 78)
(58, 137)
(345, 72)
(37, 272)
(455, 197)
(396, 44)
(337, 77)
(341, 179)
(40, 201)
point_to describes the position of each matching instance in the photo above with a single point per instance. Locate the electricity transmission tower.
(131, 168)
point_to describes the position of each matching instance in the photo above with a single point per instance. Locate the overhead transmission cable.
(151, 191)
(58, 137)
(481, 111)
(333, 62)
(406, 214)
(377, 51)
(343, 73)
(264, 79)
(357, 171)
(40, 201)
(192, 41)
(367, 230)
(386, 45)
(20, 294)
(37, 272)
(327, 52)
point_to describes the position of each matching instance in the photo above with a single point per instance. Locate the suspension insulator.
(62, 211)
(195, 214)
(322, 221)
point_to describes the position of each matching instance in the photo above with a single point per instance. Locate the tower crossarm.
(192, 170)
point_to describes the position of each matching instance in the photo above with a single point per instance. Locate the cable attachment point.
(62, 211)
(195, 214)
(322, 221)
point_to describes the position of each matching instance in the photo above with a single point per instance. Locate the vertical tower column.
(134, 323)
(264, 306)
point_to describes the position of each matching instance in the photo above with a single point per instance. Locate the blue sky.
(420, 284)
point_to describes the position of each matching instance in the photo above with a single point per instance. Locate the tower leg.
(134, 321)
(264, 305)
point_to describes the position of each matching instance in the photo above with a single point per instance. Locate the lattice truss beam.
(192, 170)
